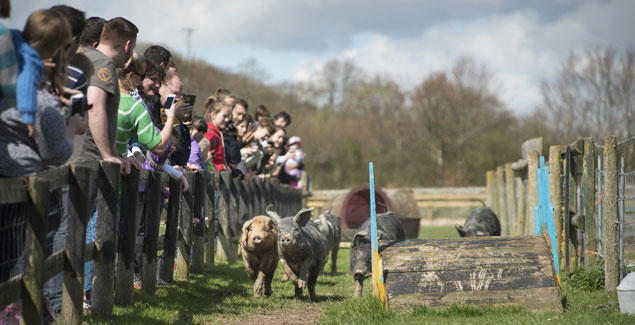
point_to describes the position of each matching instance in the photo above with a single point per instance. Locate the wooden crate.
(483, 271)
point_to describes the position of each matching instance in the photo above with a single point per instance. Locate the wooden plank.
(440, 204)
(610, 226)
(198, 238)
(532, 192)
(10, 290)
(510, 189)
(151, 234)
(492, 194)
(535, 300)
(183, 259)
(57, 177)
(441, 243)
(171, 232)
(102, 298)
(555, 188)
(78, 215)
(520, 207)
(54, 264)
(420, 264)
(226, 251)
(35, 243)
(210, 220)
(502, 200)
(13, 190)
(124, 291)
(588, 193)
(447, 197)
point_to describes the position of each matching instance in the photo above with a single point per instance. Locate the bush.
(587, 279)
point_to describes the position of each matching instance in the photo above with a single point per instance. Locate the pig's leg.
(359, 284)
(334, 258)
(312, 281)
(288, 272)
(304, 272)
(298, 292)
(258, 283)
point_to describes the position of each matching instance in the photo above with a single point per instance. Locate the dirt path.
(306, 315)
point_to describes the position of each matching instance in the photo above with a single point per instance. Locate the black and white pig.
(388, 228)
(302, 249)
(329, 225)
(481, 222)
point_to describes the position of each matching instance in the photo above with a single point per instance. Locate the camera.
(231, 127)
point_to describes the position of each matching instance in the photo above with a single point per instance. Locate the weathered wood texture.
(532, 191)
(210, 220)
(183, 261)
(510, 197)
(166, 270)
(127, 235)
(588, 193)
(609, 216)
(198, 236)
(496, 271)
(102, 298)
(151, 233)
(555, 188)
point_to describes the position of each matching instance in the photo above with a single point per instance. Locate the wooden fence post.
(198, 242)
(171, 232)
(151, 234)
(532, 191)
(588, 192)
(521, 205)
(102, 298)
(210, 220)
(127, 239)
(183, 259)
(233, 206)
(224, 251)
(609, 216)
(34, 245)
(73, 287)
(500, 189)
(555, 184)
(492, 200)
(511, 197)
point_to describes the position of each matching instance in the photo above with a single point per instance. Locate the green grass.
(223, 294)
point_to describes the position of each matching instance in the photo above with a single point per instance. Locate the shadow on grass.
(220, 290)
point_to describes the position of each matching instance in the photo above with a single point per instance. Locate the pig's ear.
(273, 214)
(357, 237)
(303, 216)
(481, 234)
(459, 228)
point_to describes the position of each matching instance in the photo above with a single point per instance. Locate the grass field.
(222, 295)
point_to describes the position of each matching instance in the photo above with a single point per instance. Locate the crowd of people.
(74, 90)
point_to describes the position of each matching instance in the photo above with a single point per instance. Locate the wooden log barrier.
(210, 220)
(588, 193)
(485, 271)
(225, 251)
(510, 199)
(502, 200)
(555, 188)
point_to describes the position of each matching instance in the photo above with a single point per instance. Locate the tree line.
(447, 131)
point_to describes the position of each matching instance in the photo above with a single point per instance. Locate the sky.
(522, 43)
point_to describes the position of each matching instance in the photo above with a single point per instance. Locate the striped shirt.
(133, 119)
(75, 79)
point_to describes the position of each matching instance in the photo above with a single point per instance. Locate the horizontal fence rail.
(201, 224)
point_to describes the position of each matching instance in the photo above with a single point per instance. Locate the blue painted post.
(378, 273)
(543, 213)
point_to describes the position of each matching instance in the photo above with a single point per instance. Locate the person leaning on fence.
(48, 32)
(217, 114)
(116, 44)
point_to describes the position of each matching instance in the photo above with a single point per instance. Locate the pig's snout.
(286, 240)
(256, 239)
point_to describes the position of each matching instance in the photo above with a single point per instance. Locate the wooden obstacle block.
(482, 271)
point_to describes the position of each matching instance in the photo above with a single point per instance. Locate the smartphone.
(168, 101)
(190, 99)
(78, 104)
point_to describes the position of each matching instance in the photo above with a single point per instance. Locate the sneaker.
(137, 281)
(86, 305)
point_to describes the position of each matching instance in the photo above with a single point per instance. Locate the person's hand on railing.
(184, 184)
(133, 162)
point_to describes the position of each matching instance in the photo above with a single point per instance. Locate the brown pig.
(259, 248)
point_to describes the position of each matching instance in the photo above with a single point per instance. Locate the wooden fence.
(218, 225)
(512, 194)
